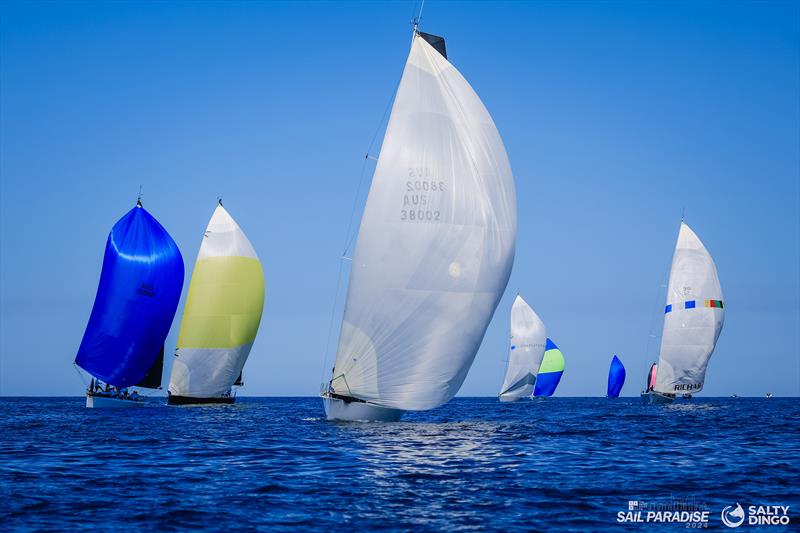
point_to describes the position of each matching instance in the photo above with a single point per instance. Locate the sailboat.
(221, 316)
(616, 378)
(550, 372)
(434, 250)
(693, 319)
(140, 285)
(525, 352)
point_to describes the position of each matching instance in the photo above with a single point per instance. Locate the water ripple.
(474, 464)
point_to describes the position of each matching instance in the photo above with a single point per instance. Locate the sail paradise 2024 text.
(662, 516)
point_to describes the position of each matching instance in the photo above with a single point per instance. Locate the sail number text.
(419, 193)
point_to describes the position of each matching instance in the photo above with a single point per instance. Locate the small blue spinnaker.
(616, 377)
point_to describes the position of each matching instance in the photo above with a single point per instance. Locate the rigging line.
(654, 316)
(75, 366)
(651, 335)
(348, 239)
(349, 236)
(416, 20)
(414, 10)
(415, 23)
(330, 323)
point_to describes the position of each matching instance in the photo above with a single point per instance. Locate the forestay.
(693, 317)
(528, 336)
(222, 312)
(435, 245)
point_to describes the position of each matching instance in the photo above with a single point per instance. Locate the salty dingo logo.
(732, 518)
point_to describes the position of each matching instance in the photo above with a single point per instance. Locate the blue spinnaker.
(616, 377)
(546, 384)
(140, 286)
(550, 371)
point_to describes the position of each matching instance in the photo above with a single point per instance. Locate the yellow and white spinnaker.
(221, 317)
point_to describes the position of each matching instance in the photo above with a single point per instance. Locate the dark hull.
(189, 400)
(652, 397)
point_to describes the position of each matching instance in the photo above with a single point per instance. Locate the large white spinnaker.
(693, 317)
(221, 317)
(528, 336)
(435, 245)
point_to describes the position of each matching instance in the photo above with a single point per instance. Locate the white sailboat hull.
(509, 399)
(516, 395)
(336, 409)
(103, 402)
(653, 397)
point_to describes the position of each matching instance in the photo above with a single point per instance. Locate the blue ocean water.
(473, 464)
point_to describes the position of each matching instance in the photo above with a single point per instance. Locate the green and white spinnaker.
(221, 316)
(551, 370)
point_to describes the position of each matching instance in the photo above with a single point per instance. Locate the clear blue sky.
(615, 117)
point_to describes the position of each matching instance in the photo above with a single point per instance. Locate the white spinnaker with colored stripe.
(694, 317)
(528, 336)
(222, 312)
(435, 246)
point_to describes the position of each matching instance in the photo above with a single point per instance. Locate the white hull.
(336, 409)
(510, 398)
(102, 402)
(653, 397)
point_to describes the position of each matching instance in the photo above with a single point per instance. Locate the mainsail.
(222, 312)
(139, 289)
(616, 377)
(551, 370)
(435, 245)
(693, 317)
(528, 336)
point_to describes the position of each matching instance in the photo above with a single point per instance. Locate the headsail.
(693, 317)
(551, 370)
(526, 351)
(435, 245)
(222, 312)
(651, 377)
(616, 377)
(137, 297)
